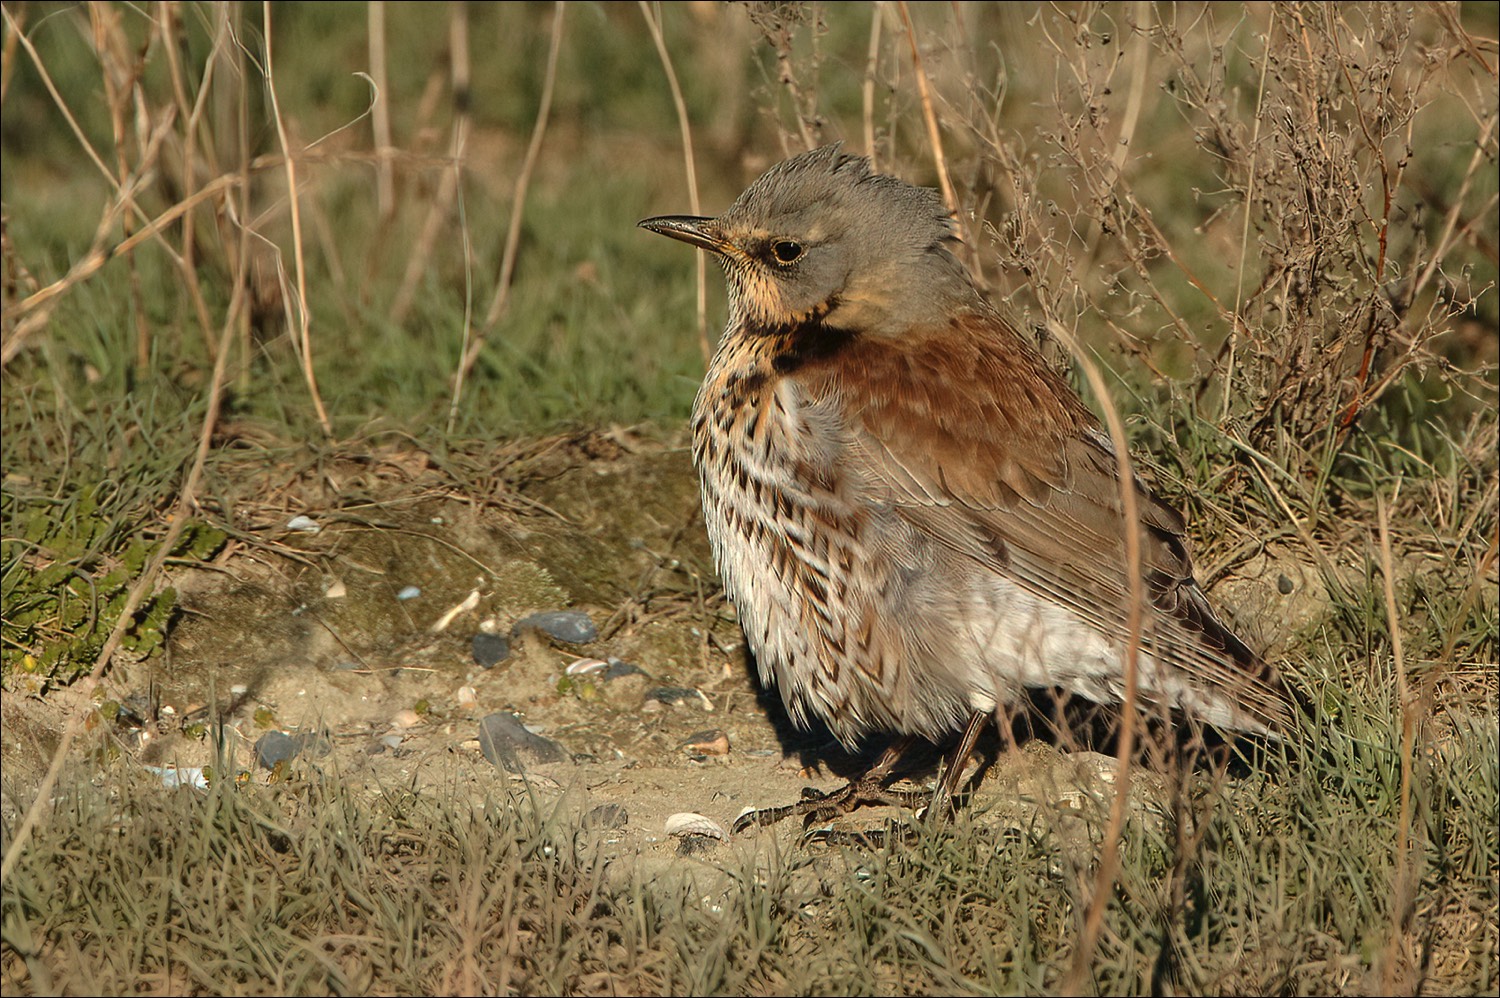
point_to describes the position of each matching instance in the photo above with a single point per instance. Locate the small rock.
(696, 832)
(706, 743)
(606, 816)
(274, 747)
(406, 719)
(408, 592)
(572, 626)
(505, 741)
(673, 696)
(467, 696)
(303, 524)
(619, 670)
(490, 649)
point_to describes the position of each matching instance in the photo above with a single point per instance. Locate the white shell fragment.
(685, 823)
(180, 776)
(587, 665)
(469, 603)
(305, 524)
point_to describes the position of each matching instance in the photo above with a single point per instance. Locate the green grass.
(1296, 883)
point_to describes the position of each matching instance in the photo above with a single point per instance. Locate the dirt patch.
(352, 629)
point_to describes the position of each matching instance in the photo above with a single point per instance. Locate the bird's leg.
(942, 798)
(868, 788)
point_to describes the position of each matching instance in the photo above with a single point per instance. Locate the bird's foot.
(816, 806)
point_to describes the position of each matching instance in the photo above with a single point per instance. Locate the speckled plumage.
(915, 517)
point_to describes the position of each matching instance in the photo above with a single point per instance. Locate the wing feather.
(972, 439)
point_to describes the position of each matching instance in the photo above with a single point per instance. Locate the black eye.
(786, 251)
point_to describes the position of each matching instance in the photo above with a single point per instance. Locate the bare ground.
(306, 632)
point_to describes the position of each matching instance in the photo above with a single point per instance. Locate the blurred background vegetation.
(242, 236)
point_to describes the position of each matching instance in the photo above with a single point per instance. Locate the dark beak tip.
(693, 229)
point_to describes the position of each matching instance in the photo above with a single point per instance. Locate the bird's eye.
(786, 251)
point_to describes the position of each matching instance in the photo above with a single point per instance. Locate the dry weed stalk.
(653, 23)
(777, 24)
(303, 314)
(474, 345)
(451, 180)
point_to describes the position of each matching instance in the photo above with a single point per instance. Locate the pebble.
(305, 524)
(467, 696)
(606, 816)
(274, 747)
(491, 649)
(505, 742)
(619, 670)
(406, 719)
(572, 626)
(706, 743)
(673, 695)
(408, 592)
(278, 746)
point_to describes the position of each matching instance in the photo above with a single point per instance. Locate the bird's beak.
(701, 232)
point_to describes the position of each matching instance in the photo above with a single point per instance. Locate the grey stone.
(572, 626)
(505, 742)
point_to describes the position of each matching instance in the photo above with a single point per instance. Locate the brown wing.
(979, 444)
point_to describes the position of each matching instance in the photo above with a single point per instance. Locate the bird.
(917, 519)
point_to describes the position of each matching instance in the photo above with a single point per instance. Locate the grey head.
(822, 237)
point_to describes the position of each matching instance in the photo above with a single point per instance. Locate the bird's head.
(821, 237)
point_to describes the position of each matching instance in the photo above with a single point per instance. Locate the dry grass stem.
(450, 181)
(1109, 858)
(867, 88)
(518, 210)
(685, 126)
(303, 317)
(380, 113)
(929, 116)
(1410, 721)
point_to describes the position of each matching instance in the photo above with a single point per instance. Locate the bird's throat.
(791, 345)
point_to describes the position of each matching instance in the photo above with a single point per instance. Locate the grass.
(1274, 227)
(439, 892)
